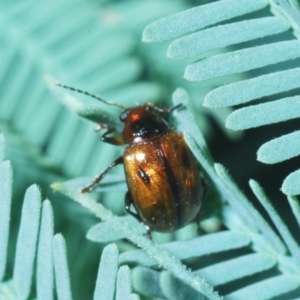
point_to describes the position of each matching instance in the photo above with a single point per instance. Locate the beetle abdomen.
(164, 181)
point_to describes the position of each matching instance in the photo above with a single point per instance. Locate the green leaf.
(244, 265)
(251, 89)
(175, 289)
(62, 276)
(267, 289)
(290, 185)
(27, 240)
(159, 284)
(123, 283)
(204, 245)
(103, 233)
(277, 220)
(242, 60)
(279, 149)
(7, 291)
(2, 147)
(241, 203)
(5, 207)
(287, 10)
(147, 282)
(198, 17)
(264, 114)
(161, 256)
(187, 120)
(120, 71)
(107, 274)
(45, 272)
(91, 53)
(226, 186)
(134, 297)
(294, 203)
(258, 59)
(224, 35)
(131, 94)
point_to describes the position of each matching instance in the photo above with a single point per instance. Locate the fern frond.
(21, 283)
(204, 245)
(103, 233)
(242, 60)
(267, 289)
(107, 274)
(123, 283)
(5, 207)
(294, 203)
(198, 18)
(2, 147)
(278, 222)
(224, 35)
(44, 260)
(254, 88)
(62, 276)
(162, 257)
(27, 241)
(19, 286)
(239, 61)
(255, 257)
(78, 43)
(39, 251)
(88, 53)
(257, 248)
(264, 114)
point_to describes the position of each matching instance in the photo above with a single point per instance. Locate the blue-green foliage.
(229, 49)
(40, 252)
(44, 265)
(247, 58)
(6, 191)
(62, 276)
(27, 241)
(107, 274)
(262, 249)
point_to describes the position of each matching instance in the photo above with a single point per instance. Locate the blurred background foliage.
(96, 46)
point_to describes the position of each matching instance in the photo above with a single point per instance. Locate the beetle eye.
(123, 115)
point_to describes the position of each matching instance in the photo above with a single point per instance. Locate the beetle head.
(142, 123)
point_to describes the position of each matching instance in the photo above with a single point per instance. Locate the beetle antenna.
(90, 95)
(175, 107)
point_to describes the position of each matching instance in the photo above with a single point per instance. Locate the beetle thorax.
(141, 124)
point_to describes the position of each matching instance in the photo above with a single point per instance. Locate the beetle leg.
(114, 140)
(128, 202)
(98, 178)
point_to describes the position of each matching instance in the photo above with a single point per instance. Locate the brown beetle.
(164, 184)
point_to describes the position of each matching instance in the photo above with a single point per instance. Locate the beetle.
(162, 175)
